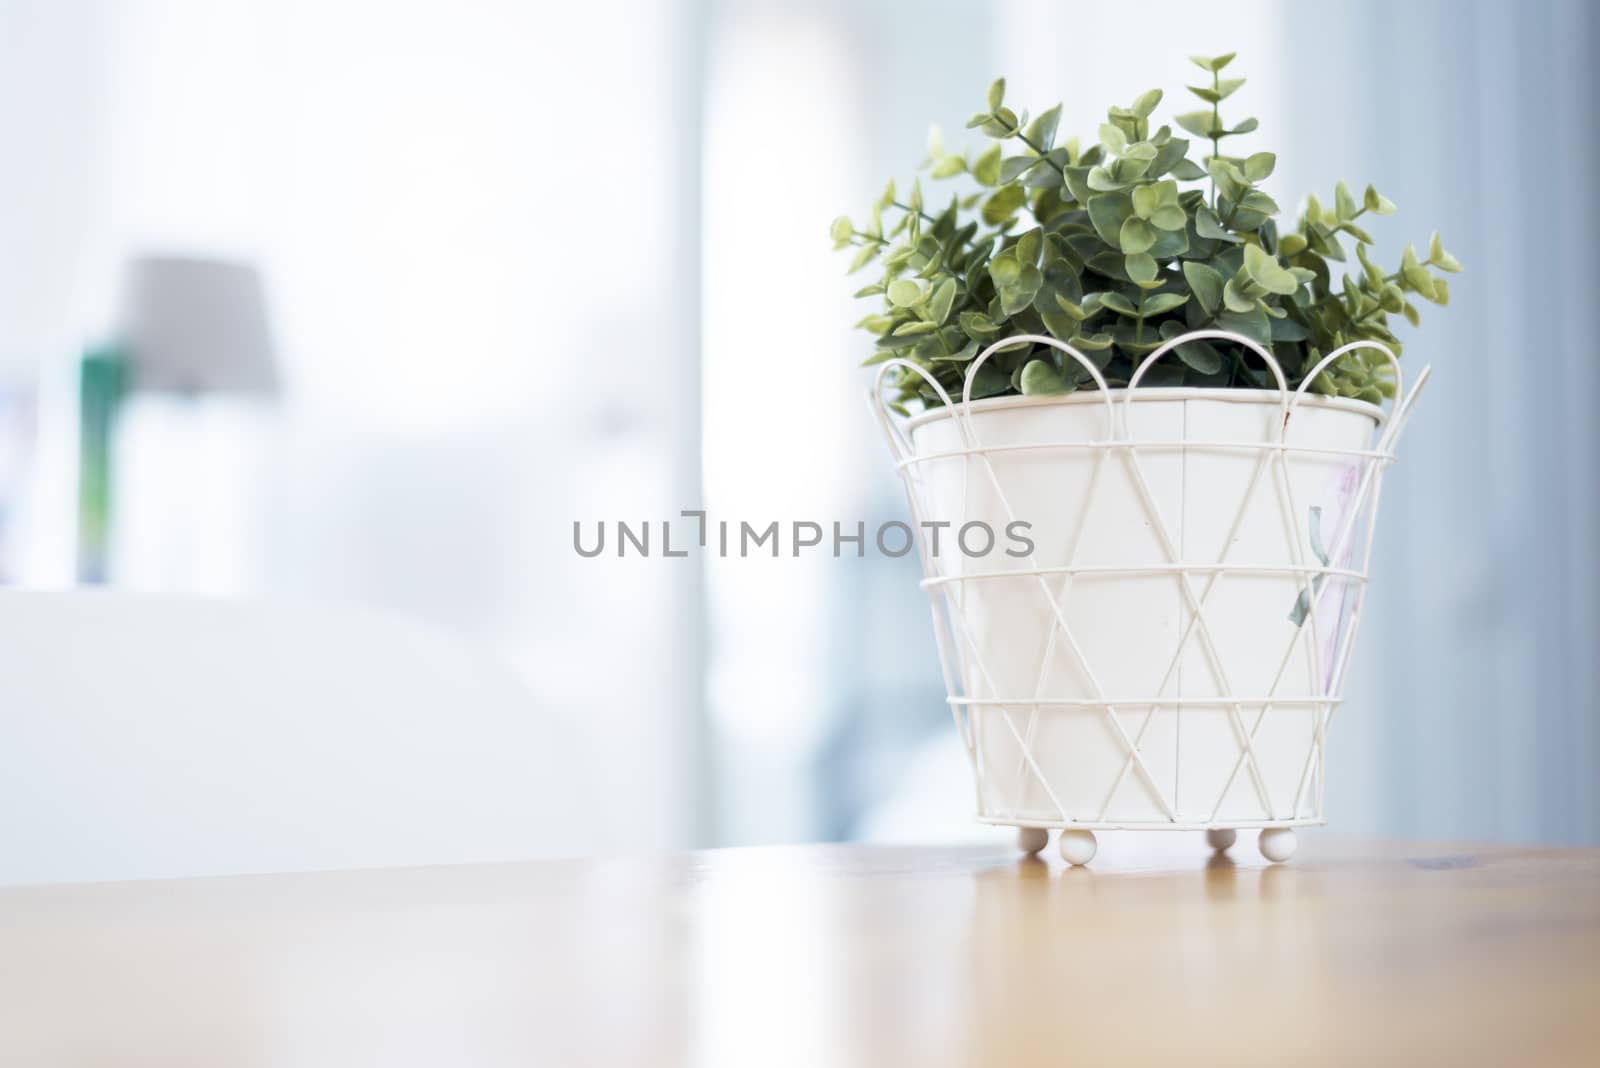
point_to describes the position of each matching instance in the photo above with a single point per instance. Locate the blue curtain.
(1473, 711)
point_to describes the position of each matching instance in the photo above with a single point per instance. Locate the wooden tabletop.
(1358, 950)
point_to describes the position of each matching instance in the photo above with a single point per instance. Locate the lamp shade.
(197, 326)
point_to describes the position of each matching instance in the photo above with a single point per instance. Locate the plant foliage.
(1121, 246)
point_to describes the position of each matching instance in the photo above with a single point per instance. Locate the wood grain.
(1358, 951)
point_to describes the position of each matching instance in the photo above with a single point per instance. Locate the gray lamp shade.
(197, 326)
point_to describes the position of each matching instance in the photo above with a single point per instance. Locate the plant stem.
(1340, 296)
(1216, 138)
(907, 209)
(1042, 153)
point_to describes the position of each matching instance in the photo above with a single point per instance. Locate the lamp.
(197, 326)
(190, 327)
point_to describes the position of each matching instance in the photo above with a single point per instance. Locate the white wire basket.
(1171, 648)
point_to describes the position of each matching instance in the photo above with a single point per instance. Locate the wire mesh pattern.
(1227, 725)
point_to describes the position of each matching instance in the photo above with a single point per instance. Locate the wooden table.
(1357, 951)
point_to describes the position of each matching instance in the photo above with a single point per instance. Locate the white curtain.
(478, 228)
(1477, 710)
(1474, 705)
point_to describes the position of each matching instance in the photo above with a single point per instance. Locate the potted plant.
(1116, 345)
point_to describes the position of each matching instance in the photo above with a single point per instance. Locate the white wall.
(477, 227)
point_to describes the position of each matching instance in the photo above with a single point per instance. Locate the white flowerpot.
(1171, 651)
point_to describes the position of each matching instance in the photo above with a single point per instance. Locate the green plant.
(1115, 249)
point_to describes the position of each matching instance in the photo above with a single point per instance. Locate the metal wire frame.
(961, 658)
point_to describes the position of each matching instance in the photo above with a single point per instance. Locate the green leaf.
(1356, 232)
(1214, 63)
(1077, 311)
(1415, 274)
(1207, 225)
(1377, 204)
(1028, 246)
(1252, 324)
(1003, 123)
(1205, 282)
(1135, 235)
(1107, 212)
(1188, 170)
(1005, 270)
(1164, 302)
(1259, 166)
(1146, 199)
(1231, 182)
(1042, 130)
(944, 295)
(1045, 177)
(1226, 87)
(977, 324)
(1003, 204)
(1105, 180)
(1170, 217)
(1015, 167)
(1146, 103)
(986, 168)
(1017, 296)
(1114, 140)
(1344, 205)
(1257, 201)
(1058, 323)
(1286, 329)
(961, 355)
(1202, 356)
(948, 167)
(1247, 126)
(842, 229)
(863, 258)
(1264, 270)
(1199, 123)
(1439, 257)
(990, 381)
(1235, 299)
(1206, 93)
(903, 293)
(1119, 304)
(997, 94)
(1041, 378)
(1141, 267)
(914, 202)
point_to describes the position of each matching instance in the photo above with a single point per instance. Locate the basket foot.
(1077, 846)
(1277, 844)
(1221, 838)
(1032, 839)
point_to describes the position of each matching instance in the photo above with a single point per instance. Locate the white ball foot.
(1077, 847)
(1032, 839)
(1220, 838)
(1277, 843)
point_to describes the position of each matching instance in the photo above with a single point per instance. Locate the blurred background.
(367, 302)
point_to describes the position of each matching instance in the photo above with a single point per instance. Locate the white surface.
(1077, 846)
(1277, 844)
(147, 737)
(1126, 625)
(446, 412)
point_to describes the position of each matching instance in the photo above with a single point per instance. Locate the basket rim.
(1144, 394)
